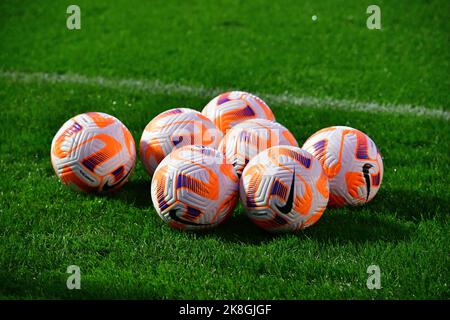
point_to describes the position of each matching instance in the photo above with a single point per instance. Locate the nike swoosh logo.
(173, 215)
(108, 187)
(290, 200)
(365, 171)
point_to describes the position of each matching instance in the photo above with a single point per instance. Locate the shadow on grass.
(25, 287)
(239, 229)
(380, 220)
(335, 226)
(135, 193)
(387, 218)
(408, 205)
(347, 225)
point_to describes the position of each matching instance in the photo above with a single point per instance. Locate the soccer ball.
(230, 108)
(194, 188)
(283, 189)
(248, 138)
(93, 152)
(352, 162)
(173, 129)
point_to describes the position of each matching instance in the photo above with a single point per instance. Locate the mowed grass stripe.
(158, 87)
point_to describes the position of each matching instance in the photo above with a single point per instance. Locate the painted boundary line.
(155, 86)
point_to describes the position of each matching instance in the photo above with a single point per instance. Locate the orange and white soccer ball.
(284, 189)
(231, 108)
(352, 162)
(173, 129)
(93, 152)
(194, 188)
(248, 138)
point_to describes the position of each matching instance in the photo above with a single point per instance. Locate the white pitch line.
(155, 86)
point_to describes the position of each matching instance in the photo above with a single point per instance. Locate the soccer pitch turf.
(177, 53)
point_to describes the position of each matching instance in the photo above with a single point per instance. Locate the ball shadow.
(239, 229)
(343, 225)
(336, 226)
(409, 205)
(134, 193)
(340, 226)
(353, 224)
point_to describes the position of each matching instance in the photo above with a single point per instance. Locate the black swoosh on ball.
(107, 186)
(290, 200)
(365, 171)
(173, 215)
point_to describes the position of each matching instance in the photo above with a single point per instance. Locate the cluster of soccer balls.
(201, 163)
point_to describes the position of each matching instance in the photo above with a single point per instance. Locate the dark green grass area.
(123, 248)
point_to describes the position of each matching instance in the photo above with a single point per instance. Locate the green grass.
(123, 248)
